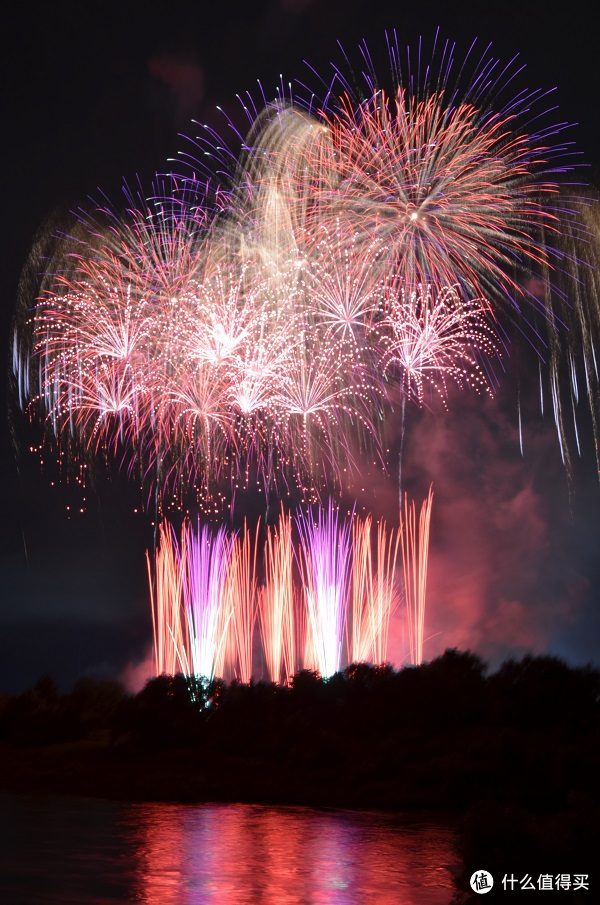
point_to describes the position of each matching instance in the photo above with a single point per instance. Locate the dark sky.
(91, 98)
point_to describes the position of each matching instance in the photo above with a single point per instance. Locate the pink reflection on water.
(254, 855)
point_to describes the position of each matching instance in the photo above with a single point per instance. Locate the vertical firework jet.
(242, 594)
(360, 636)
(415, 554)
(329, 591)
(374, 594)
(276, 602)
(169, 627)
(385, 591)
(207, 605)
(325, 552)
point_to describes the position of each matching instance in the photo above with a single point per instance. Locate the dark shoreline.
(510, 759)
(98, 770)
(442, 735)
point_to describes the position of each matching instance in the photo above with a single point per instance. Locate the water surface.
(89, 852)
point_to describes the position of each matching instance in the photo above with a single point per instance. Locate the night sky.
(91, 99)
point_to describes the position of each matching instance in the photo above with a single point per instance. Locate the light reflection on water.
(61, 850)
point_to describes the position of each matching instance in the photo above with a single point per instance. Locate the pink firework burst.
(435, 339)
(451, 193)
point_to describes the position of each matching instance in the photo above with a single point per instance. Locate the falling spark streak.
(571, 294)
(575, 425)
(520, 422)
(20, 370)
(557, 416)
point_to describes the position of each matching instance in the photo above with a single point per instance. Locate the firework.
(436, 340)
(374, 594)
(226, 379)
(415, 556)
(207, 605)
(450, 192)
(364, 247)
(242, 594)
(325, 552)
(329, 589)
(570, 295)
(360, 641)
(166, 597)
(276, 608)
(385, 591)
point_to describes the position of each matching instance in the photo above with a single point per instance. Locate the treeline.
(442, 734)
(513, 755)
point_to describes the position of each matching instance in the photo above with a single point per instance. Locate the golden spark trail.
(415, 554)
(276, 602)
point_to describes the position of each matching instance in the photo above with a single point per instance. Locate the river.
(92, 852)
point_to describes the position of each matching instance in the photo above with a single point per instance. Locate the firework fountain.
(323, 601)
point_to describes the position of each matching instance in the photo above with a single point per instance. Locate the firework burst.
(434, 340)
(450, 193)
